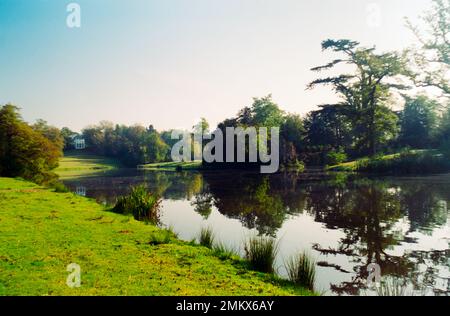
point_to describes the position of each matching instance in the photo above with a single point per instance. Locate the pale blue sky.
(170, 62)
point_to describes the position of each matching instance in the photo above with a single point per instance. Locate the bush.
(206, 238)
(301, 270)
(59, 187)
(296, 165)
(336, 157)
(261, 253)
(142, 204)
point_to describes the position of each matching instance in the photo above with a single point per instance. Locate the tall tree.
(52, 133)
(365, 92)
(432, 60)
(419, 122)
(24, 151)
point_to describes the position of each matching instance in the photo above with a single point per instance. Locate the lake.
(344, 221)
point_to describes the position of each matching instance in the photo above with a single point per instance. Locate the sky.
(170, 62)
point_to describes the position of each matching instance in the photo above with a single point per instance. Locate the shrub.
(59, 187)
(301, 270)
(336, 157)
(206, 237)
(296, 165)
(140, 203)
(261, 253)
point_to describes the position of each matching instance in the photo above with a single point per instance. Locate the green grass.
(351, 166)
(77, 164)
(408, 162)
(172, 166)
(224, 252)
(42, 232)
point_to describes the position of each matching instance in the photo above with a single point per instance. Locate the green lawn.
(79, 163)
(169, 166)
(429, 161)
(351, 165)
(41, 232)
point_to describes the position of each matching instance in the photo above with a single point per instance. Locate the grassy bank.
(412, 162)
(41, 232)
(80, 163)
(173, 166)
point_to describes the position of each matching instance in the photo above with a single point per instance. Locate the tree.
(67, 134)
(24, 151)
(132, 145)
(263, 113)
(365, 93)
(292, 135)
(432, 60)
(419, 122)
(52, 133)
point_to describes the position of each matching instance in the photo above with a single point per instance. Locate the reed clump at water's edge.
(301, 270)
(142, 204)
(261, 253)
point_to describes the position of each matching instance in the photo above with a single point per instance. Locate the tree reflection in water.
(381, 219)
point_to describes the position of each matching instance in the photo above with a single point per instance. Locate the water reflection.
(400, 223)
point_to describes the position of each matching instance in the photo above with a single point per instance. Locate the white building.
(78, 142)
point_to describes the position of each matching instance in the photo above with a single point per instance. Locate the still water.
(344, 222)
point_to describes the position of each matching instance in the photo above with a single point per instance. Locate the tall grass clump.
(224, 252)
(206, 237)
(393, 287)
(143, 205)
(164, 236)
(260, 253)
(301, 270)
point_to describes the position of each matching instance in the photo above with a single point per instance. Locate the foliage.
(142, 204)
(336, 157)
(25, 151)
(132, 145)
(67, 135)
(432, 61)
(419, 122)
(264, 112)
(261, 252)
(59, 187)
(52, 133)
(365, 94)
(302, 270)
